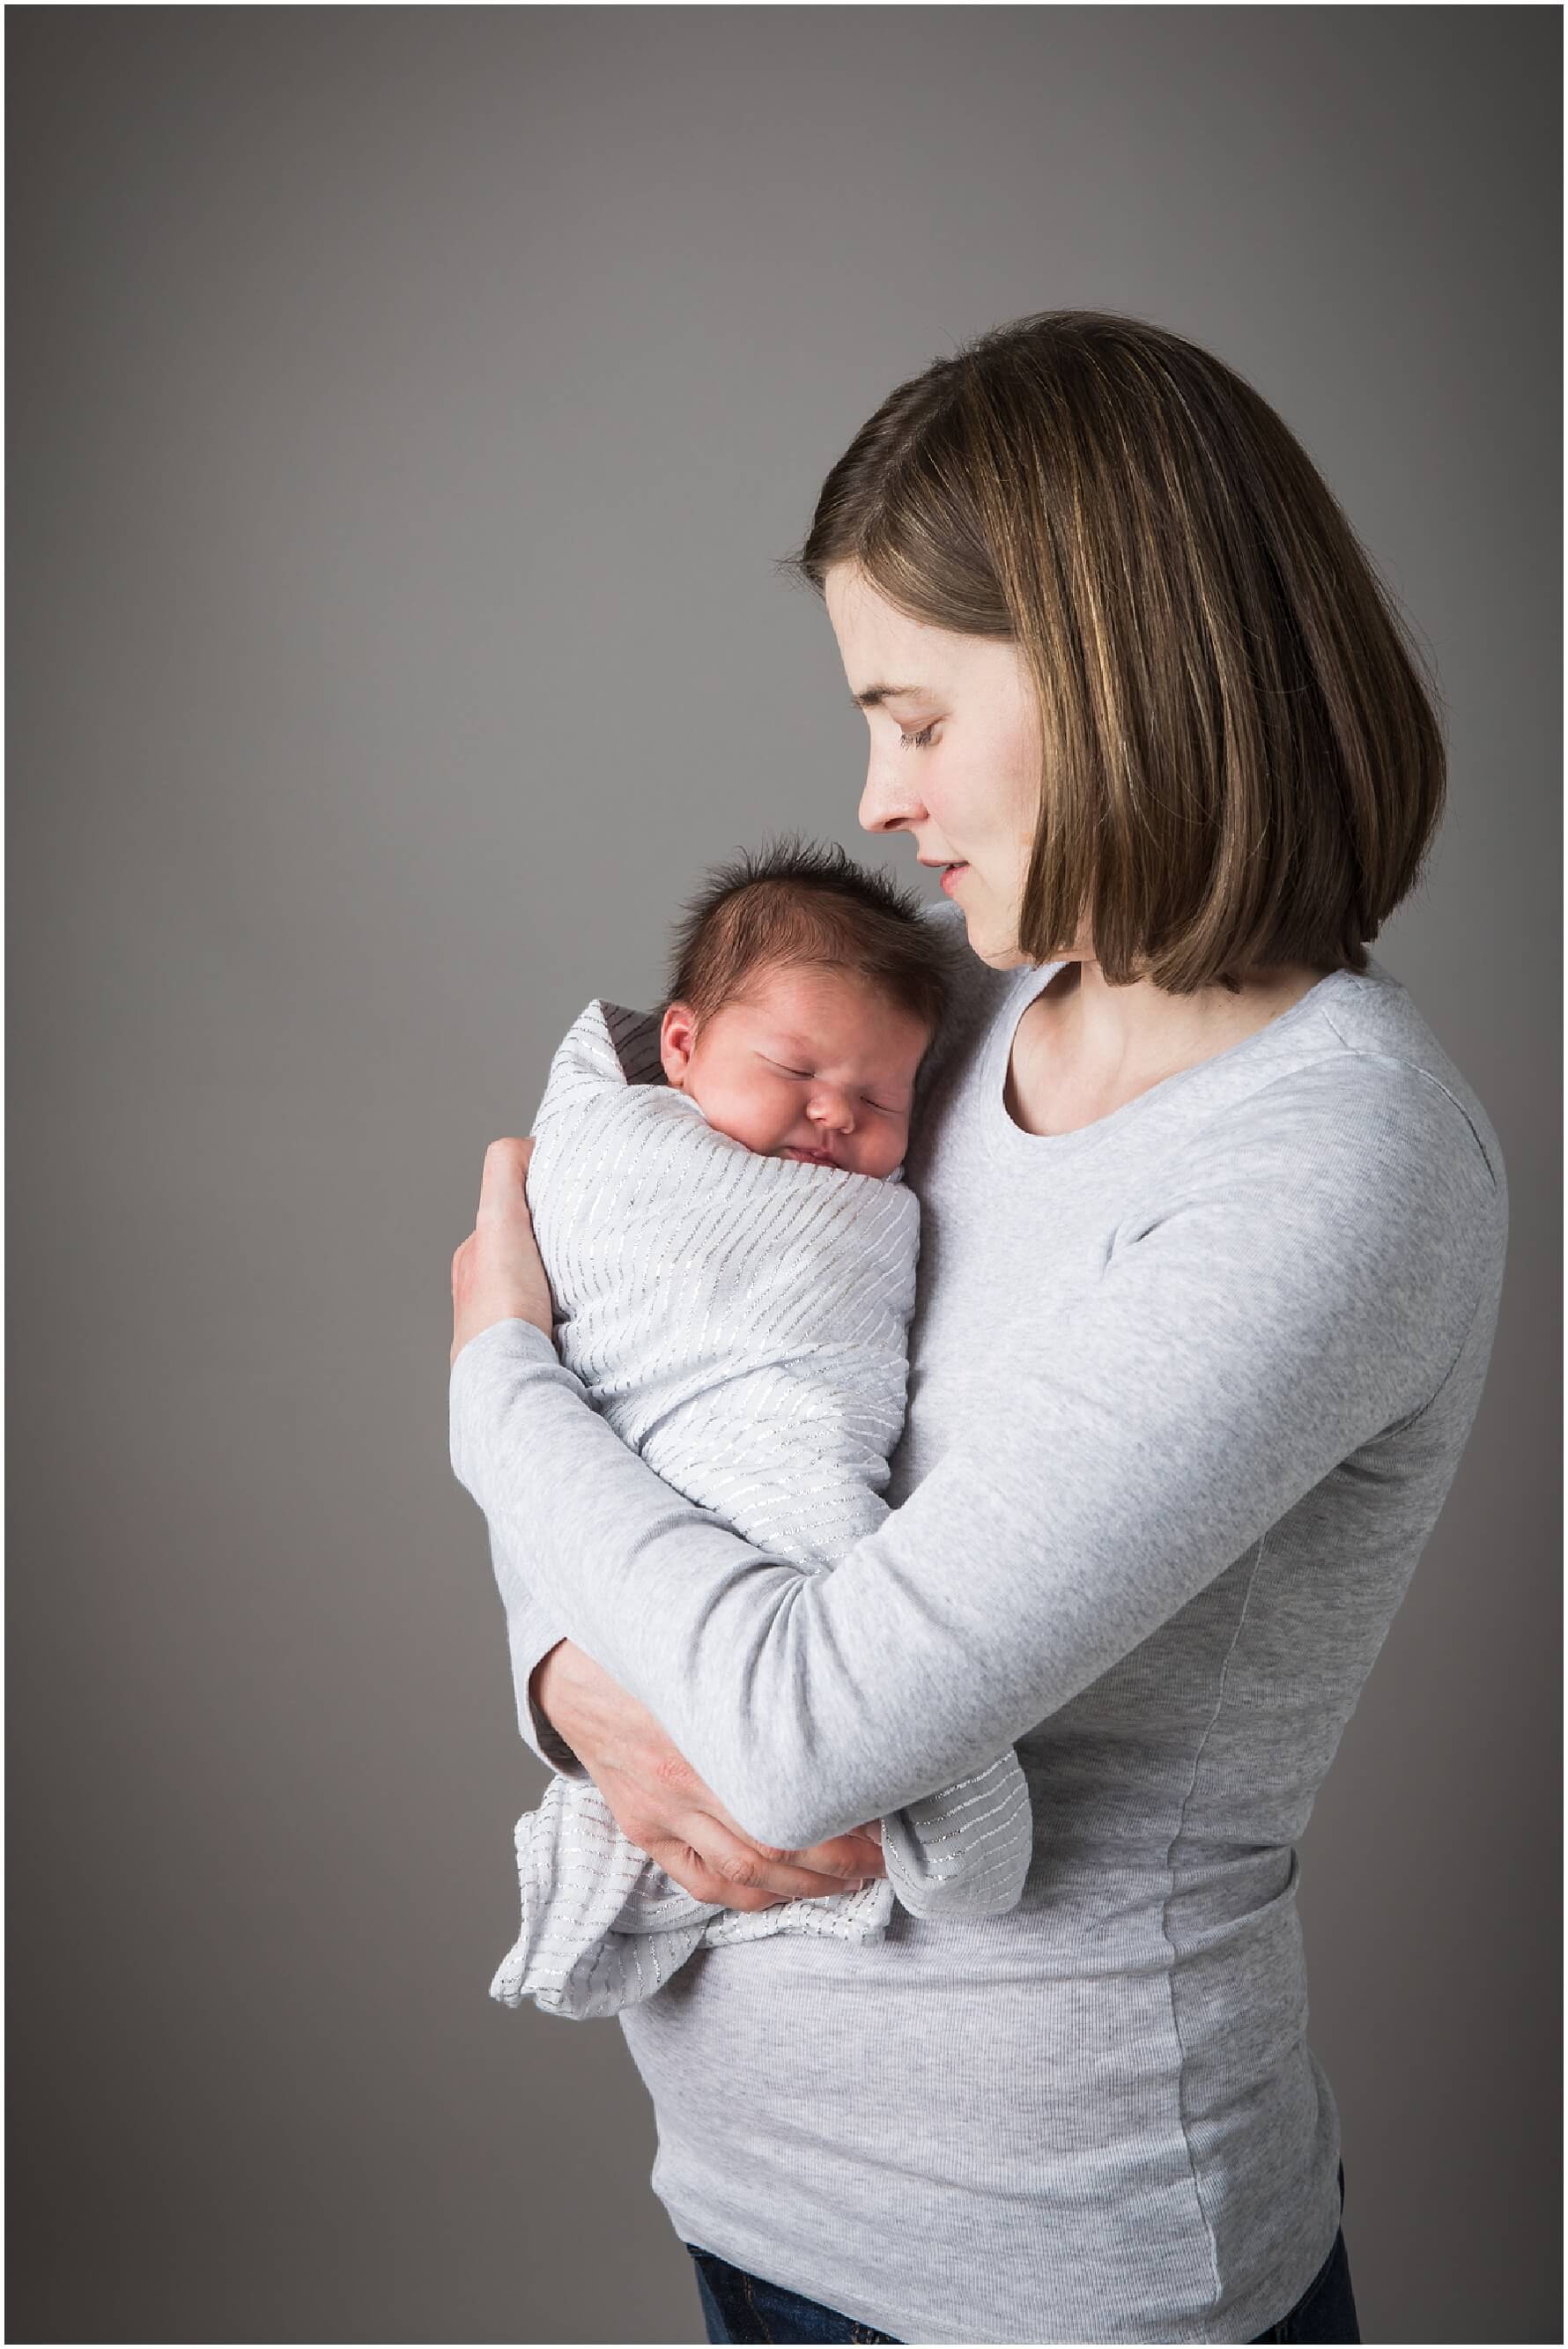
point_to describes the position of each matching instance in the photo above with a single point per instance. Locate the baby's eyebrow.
(805, 1044)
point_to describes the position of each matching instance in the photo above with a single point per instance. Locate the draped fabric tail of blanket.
(741, 1321)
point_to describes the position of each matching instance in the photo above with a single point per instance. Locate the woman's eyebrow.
(874, 694)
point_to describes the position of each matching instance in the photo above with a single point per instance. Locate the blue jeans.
(740, 2307)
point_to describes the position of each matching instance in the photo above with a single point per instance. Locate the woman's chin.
(1000, 955)
(992, 936)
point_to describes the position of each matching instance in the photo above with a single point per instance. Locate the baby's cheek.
(752, 1116)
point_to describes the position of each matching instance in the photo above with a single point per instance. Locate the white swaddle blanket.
(741, 1321)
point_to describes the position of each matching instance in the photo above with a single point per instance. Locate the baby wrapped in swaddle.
(716, 1194)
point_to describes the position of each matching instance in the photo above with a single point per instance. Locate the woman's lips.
(951, 875)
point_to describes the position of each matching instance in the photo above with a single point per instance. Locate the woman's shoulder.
(1347, 1115)
(1334, 1166)
(1381, 1039)
(1355, 1058)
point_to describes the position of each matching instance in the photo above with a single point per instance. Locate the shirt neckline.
(1031, 982)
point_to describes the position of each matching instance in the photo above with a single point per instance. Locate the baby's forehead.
(830, 1008)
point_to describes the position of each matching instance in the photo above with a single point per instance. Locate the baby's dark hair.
(801, 902)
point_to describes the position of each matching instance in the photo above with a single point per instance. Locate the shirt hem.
(1241, 2320)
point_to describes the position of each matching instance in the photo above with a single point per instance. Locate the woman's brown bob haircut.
(1241, 765)
(802, 902)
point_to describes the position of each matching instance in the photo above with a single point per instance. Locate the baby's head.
(804, 992)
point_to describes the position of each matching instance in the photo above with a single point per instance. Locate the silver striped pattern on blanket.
(741, 1321)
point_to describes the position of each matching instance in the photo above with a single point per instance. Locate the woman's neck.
(1084, 1048)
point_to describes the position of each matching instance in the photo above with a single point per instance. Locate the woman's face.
(955, 755)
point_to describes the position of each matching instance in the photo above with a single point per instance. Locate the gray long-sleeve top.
(1189, 1387)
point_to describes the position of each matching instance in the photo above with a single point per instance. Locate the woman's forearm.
(602, 1537)
(1284, 1307)
(532, 1633)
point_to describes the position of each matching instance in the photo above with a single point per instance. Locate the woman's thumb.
(501, 1185)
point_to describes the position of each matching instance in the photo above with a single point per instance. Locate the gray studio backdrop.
(406, 406)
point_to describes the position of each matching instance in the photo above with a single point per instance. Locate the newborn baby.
(848, 1106)
(716, 1193)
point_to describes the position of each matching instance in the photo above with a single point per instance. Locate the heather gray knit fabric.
(1188, 1389)
(742, 1323)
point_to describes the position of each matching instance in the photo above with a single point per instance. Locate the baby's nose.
(835, 1113)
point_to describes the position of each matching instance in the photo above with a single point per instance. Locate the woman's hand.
(661, 1805)
(498, 1274)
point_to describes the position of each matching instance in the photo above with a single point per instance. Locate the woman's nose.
(888, 799)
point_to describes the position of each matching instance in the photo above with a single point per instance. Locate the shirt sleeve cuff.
(538, 1730)
(529, 1635)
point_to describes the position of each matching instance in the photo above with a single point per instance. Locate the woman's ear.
(677, 1038)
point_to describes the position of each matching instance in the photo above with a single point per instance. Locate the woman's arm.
(1306, 1281)
(531, 1633)
(497, 1272)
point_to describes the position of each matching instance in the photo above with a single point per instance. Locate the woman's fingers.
(856, 1853)
(661, 1805)
(842, 1859)
(498, 1274)
(715, 1863)
(853, 1854)
(502, 1185)
(736, 1875)
(739, 1864)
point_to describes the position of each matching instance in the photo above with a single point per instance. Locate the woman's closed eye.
(920, 741)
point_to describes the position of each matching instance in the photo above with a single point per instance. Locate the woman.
(1212, 1244)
